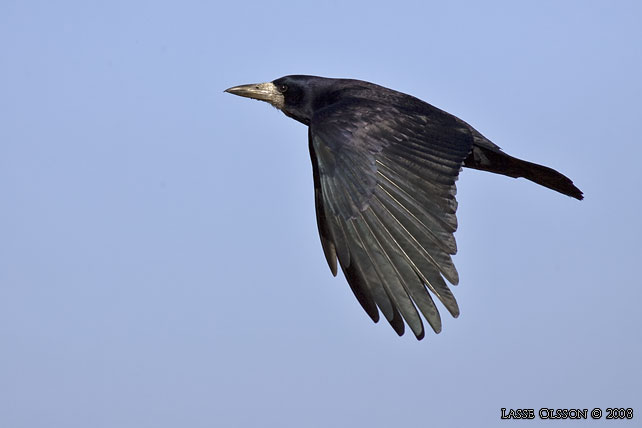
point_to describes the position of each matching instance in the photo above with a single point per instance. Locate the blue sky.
(159, 258)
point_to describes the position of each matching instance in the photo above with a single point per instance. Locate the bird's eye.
(283, 88)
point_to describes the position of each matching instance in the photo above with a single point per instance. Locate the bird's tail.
(500, 163)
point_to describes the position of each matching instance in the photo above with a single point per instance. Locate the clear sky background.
(159, 258)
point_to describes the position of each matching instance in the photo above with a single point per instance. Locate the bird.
(384, 167)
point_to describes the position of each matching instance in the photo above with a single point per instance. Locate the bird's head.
(297, 96)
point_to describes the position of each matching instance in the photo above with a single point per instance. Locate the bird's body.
(385, 165)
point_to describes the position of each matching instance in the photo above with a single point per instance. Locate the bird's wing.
(385, 199)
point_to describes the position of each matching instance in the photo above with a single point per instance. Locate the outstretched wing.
(385, 199)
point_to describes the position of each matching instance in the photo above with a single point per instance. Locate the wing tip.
(397, 324)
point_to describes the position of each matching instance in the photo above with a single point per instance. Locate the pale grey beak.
(260, 91)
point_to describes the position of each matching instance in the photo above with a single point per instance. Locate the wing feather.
(390, 268)
(413, 278)
(364, 264)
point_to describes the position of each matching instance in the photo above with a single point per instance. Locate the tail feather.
(500, 163)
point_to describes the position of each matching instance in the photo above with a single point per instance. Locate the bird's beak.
(260, 91)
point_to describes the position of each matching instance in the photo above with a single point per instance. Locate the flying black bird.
(385, 165)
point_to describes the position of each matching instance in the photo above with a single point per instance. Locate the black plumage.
(385, 165)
